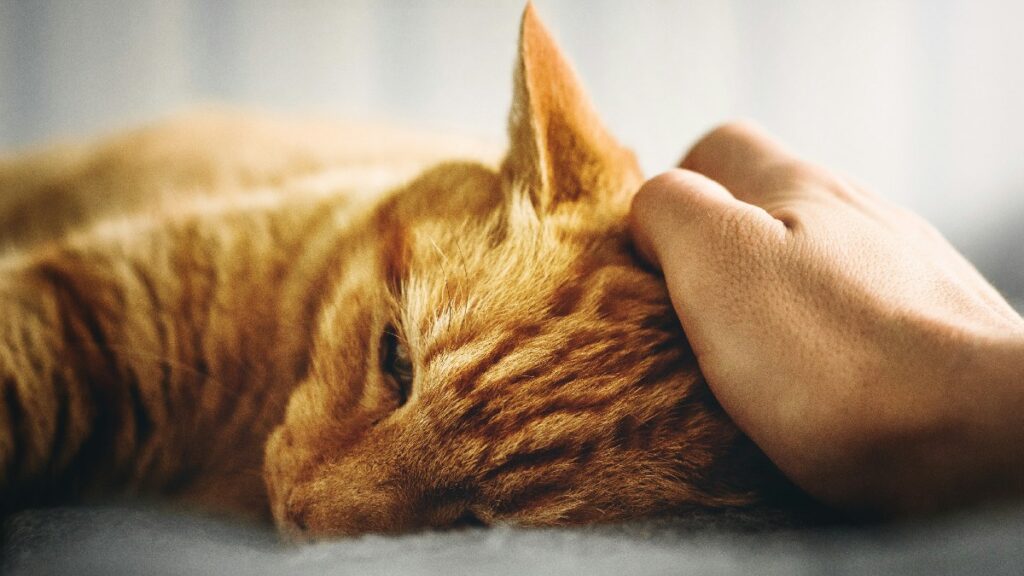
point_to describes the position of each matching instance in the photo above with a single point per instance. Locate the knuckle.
(787, 174)
(735, 129)
(654, 188)
(721, 142)
(664, 189)
(795, 179)
(646, 197)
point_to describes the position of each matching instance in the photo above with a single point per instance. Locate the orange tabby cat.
(228, 311)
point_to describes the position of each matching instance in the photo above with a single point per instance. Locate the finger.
(701, 237)
(754, 166)
(683, 215)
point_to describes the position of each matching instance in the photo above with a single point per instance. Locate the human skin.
(868, 359)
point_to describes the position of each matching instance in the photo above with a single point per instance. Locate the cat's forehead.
(511, 267)
(537, 289)
(478, 261)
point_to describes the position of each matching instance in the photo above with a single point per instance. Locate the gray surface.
(117, 540)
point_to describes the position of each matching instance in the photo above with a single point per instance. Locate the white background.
(921, 100)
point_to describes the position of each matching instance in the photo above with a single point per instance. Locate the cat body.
(325, 326)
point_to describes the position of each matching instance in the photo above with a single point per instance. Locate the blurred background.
(921, 100)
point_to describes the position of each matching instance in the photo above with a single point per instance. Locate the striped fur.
(206, 324)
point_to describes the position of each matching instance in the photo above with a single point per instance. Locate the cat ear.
(560, 151)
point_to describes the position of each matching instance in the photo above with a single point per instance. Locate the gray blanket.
(116, 539)
(111, 540)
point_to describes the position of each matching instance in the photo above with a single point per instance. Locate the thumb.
(680, 216)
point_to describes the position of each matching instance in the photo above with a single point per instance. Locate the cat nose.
(297, 519)
(468, 519)
(293, 524)
(292, 535)
(323, 510)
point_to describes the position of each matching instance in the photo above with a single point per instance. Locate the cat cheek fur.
(348, 496)
(333, 475)
(382, 480)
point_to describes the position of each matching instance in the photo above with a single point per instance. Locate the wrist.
(973, 450)
(950, 434)
(993, 392)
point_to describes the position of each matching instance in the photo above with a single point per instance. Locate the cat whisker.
(444, 269)
(462, 259)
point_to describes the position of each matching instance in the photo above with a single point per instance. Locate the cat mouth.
(468, 520)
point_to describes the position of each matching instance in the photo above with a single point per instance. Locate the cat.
(339, 331)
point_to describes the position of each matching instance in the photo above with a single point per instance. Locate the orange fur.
(197, 309)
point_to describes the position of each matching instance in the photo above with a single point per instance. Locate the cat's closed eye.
(396, 364)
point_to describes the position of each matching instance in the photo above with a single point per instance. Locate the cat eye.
(397, 363)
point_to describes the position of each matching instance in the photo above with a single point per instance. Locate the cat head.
(497, 352)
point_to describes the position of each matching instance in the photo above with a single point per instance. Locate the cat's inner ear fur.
(560, 151)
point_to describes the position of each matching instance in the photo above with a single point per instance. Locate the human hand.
(866, 357)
